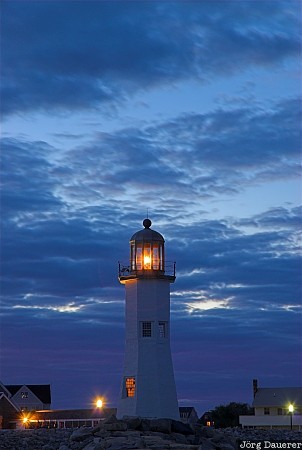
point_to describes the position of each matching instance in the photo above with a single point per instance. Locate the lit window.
(24, 394)
(162, 328)
(266, 411)
(146, 329)
(130, 387)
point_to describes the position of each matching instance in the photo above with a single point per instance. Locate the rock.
(205, 444)
(115, 426)
(179, 438)
(83, 438)
(119, 442)
(207, 432)
(130, 434)
(133, 423)
(111, 419)
(227, 446)
(95, 446)
(80, 434)
(174, 446)
(217, 437)
(97, 428)
(155, 442)
(145, 425)
(182, 428)
(111, 424)
(161, 425)
(102, 434)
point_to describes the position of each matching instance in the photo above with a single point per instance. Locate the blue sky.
(190, 110)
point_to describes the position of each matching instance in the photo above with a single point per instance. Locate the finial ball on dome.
(147, 223)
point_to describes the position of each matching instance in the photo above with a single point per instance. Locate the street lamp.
(99, 403)
(291, 410)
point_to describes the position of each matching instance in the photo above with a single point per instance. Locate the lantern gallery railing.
(125, 270)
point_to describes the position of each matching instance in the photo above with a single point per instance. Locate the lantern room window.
(156, 257)
(146, 256)
(139, 257)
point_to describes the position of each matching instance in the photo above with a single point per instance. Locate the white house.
(188, 414)
(272, 408)
(31, 396)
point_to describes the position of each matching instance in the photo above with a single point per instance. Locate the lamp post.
(291, 410)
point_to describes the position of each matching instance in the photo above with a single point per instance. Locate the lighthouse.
(148, 385)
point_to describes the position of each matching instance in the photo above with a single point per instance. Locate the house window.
(146, 329)
(162, 329)
(130, 386)
(24, 394)
(279, 411)
(266, 411)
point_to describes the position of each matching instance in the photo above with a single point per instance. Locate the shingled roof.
(75, 414)
(278, 397)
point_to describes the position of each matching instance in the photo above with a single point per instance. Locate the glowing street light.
(99, 403)
(291, 410)
(25, 421)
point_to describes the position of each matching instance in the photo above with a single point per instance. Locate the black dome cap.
(147, 234)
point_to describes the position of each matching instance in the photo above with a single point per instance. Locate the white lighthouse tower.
(148, 386)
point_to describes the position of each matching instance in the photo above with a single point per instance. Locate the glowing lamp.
(25, 420)
(291, 408)
(99, 403)
(147, 262)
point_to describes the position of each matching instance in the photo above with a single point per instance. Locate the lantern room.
(147, 255)
(147, 249)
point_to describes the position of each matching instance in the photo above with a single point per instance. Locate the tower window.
(24, 394)
(162, 329)
(130, 386)
(146, 329)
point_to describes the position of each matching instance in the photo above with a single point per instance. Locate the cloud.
(68, 211)
(53, 60)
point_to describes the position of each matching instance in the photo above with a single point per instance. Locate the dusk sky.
(189, 110)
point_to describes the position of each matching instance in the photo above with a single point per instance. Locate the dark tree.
(228, 415)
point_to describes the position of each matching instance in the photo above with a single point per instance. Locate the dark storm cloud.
(242, 139)
(275, 218)
(56, 241)
(55, 56)
(190, 157)
(254, 270)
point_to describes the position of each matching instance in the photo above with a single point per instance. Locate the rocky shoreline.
(137, 433)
